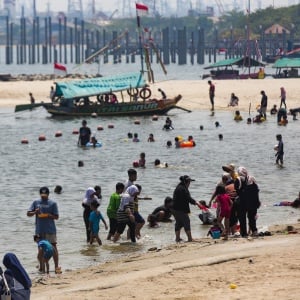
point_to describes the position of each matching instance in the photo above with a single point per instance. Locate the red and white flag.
(60, 70)
(141, 9)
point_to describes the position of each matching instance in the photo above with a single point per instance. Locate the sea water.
(27, 167)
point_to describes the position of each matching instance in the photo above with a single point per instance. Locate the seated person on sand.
(237, 116)
(274, 110)
(234, 100)
(215, 231)
(161, 214)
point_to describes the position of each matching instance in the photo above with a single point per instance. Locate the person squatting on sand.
(181, 209)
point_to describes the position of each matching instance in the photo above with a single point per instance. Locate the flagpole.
(140, 41)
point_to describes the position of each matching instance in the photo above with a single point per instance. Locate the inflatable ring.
(187, 144)
(133, 92)
(145, 93)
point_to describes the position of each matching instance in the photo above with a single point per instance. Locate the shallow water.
(27, 167)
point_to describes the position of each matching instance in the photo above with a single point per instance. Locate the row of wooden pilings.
(47, 42)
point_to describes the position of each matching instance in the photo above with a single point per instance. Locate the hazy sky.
(111, 5)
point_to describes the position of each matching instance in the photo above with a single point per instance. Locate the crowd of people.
(232, 208)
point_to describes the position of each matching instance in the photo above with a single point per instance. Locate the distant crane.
(75, 8)
(220, 6)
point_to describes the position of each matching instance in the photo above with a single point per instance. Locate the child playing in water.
(206, 216)
(142, 160)
(94, 219)
(151, 138)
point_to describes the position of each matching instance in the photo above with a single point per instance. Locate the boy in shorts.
(45, 252)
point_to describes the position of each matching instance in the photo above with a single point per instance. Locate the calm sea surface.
(25, 168)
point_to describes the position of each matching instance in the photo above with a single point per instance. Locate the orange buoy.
(24, 141)
(137, 122)
(58, 133)
(42, 138)
(154, 118)
(110, 126)
(99, 128)
(75, 131)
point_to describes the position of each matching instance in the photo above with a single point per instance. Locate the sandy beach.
(262, 268)
(194, 92)
(266, 268)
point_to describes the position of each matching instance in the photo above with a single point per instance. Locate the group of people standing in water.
(236, 197)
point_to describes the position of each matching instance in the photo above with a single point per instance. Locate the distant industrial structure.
(89, 10)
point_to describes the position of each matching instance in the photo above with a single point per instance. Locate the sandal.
(58, 270)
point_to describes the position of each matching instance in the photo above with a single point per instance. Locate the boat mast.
(248, 54)
(140, 40)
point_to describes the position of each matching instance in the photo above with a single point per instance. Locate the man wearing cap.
(45, 212)
(181, 208)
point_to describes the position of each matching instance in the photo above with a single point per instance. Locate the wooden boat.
(230, 69)
(106, 96)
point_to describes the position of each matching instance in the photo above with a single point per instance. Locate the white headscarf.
(90, 196)
(243, 173)
(128, 196)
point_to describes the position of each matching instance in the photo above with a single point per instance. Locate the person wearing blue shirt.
(94, 219)
(45, 252)
(46, 212)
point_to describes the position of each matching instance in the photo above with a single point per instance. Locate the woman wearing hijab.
(248, 203)
(125, 213)
(90, 195)
(181, 209)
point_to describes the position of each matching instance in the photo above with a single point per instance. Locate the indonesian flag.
(60, 70)
(141, 9)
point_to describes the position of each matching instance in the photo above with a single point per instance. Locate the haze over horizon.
(168, 8)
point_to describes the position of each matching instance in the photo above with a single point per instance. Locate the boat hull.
(140, 108)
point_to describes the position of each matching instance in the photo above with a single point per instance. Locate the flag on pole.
(141, 9)
(60, 70)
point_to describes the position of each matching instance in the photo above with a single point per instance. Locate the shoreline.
(234, 269)
(194, 92)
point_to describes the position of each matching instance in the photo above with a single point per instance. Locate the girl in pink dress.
(224, 204)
